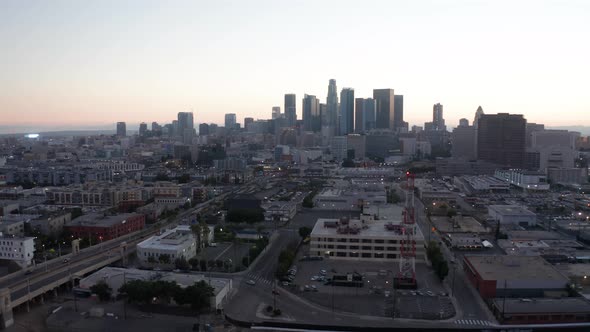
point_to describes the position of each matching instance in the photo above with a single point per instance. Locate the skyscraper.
(276, 112)
(364, 115)
(248, 122)
(142, 129)
(438, 121)
(501, 139)
(478, 114)
(332, 105)
(398, 113)
(290, 109)
(346, 111)
(463, 122)
(203, 129)
(230, 121)
(185, 121)
(121, 129)
(311, 113)
(384, 103)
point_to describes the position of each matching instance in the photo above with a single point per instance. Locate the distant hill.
(63, 133)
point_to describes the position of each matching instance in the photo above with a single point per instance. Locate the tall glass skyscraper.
(290, 109)
(384, 103)
(332, 105)
(346, 111)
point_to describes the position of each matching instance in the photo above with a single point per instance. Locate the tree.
(164, 259)
(203, 264)
(205, 231)
(198, 232)
(102, 289)
(194, 262)
(181, 263)
(304, 232)
(197, 296)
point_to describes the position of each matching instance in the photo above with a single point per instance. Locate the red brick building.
(104, 228)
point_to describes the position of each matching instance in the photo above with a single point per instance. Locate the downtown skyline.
(72, 65)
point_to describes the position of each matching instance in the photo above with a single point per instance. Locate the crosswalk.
(476, 322)
(259, 279)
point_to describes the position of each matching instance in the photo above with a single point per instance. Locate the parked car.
(251, 282)
(430, 293)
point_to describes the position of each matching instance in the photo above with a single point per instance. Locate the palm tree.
(197, 231)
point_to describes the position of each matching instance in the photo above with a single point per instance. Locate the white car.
(251, 282)
(387, 293)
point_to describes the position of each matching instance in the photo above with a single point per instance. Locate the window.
(366, 255)
(379, 248)
(367, 241)
(391, 256)
(354, 247)
(379, 241)
(340, 247)
(353, 240)
(366, 248)
(391, 248)
(379, 255)
(341, 254)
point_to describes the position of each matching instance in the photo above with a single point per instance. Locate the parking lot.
(376, 296)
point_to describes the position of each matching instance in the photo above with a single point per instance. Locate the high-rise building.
(463, 141)
(311, 113)
(185, 121)
(142, 129)
(364, 115)
(121, 129)
(323, 115)
(230, 121)
(556, 148)
(530, 129)
(478, 114)
(501, 139)
(203, 129)
(438, 121)
(398, 113)
(346, 111)
(384, 103)
(276, 112)
(248, 122)
(156, 127)
(332, 105)
(291, 109)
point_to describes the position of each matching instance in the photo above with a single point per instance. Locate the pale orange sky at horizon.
(68, 63)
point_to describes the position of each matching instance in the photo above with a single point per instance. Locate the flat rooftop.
(511, 210)
(513, 268)
(168, 240)
(100, 220)
(543, 305)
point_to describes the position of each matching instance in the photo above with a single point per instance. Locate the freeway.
(60, 269)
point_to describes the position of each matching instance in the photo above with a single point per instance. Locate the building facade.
(501, 139)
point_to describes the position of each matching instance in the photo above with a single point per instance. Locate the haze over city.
(72, 65)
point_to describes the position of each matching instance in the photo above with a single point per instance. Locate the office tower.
(212, 128)
(156, 127)
(356, 143)
(530, 129)
(248, 122)
(323, 115)
(438, 121)
(463, 141)
(384, 105)
(346, 111)
(174, 131)
(290, 109)
(276, 112)
(332, 105)
(121, 129)
(230, 121)
(398, 113)
(203, 129)
(185, 121)
(364, 115)
(142, 129)
(478, 114)
(311, 113)
(501, 139)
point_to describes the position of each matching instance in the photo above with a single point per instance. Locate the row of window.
(10, 249)
(10, 243)
(361, 255)
(342, 247)
(355, 240)
(156, 255)
(11, 255)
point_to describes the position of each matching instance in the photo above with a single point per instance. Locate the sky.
(88, 64)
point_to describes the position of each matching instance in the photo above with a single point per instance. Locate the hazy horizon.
(70, 65)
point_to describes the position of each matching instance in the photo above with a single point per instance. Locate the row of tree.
(149, 292)
(435, 256)
(255, 250)
(286, 258)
